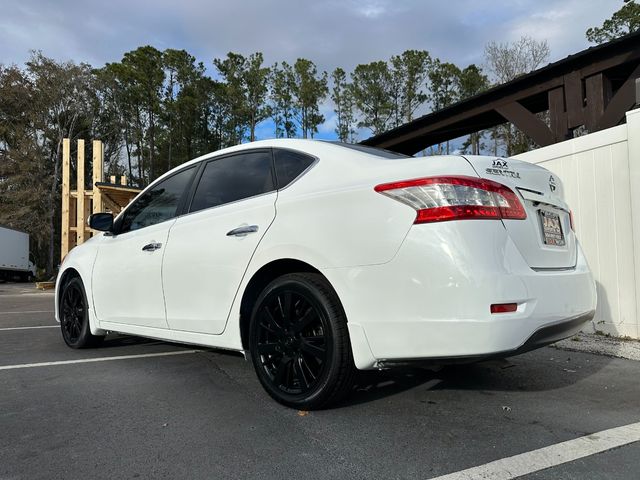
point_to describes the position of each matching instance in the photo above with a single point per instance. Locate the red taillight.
(504, 307)
(438, 199)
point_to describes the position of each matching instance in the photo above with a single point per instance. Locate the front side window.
(233, 178)
(158, 204)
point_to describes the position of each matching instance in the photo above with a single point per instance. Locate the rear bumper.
(432, 300)
(543, 336)
(553, 333)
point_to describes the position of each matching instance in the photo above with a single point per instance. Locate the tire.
(74, 316)
(299, 342)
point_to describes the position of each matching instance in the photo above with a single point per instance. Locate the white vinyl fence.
(601, 176)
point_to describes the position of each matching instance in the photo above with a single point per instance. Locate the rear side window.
(289, 165)
(233, 178)
(158, 204)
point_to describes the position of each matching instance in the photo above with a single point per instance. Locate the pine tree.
(624, 21)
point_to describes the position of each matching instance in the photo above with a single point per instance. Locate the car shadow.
(376, 385)
(117, 340)
(543, 370)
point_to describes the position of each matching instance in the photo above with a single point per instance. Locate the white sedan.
(319, 258)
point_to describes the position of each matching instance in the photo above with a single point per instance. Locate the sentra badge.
(501, 167)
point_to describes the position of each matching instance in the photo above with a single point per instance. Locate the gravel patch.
(602, 345)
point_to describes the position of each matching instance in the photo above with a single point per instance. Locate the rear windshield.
(378, 152)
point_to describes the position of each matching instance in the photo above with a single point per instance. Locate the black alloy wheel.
(293, 341)
(299, 342)
(74, 316)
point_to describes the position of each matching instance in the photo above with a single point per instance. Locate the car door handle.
(242, 231)
(151, 247)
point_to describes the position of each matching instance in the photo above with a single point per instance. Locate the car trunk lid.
(545, 238)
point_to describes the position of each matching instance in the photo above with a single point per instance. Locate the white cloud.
(332, 33)
(564, 24)
(369, 9)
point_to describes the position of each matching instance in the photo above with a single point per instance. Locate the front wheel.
(74, 316)
(299, 342)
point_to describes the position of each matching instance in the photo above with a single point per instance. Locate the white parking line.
(99, 359)
(28, 311)
(28, 294)
(551, 456)
(4, 329)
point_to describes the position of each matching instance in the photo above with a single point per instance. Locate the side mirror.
(101, 221)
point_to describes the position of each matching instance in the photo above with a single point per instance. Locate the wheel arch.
(71, 271)
(260, 279)
(65, 276)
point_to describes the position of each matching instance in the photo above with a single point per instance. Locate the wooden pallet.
(45, 285)
(78, 204)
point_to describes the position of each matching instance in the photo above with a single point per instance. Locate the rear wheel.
(74, 316)
(299, 342)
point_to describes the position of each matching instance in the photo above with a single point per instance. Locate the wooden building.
(590, 90)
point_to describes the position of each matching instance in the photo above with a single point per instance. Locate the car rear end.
(490, 267)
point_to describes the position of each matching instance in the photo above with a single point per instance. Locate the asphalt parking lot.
(165, 411)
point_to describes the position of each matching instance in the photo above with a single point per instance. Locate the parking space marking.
(551, 456)
(28, 311)
(4, 329)
(28, 294)
(99, 359)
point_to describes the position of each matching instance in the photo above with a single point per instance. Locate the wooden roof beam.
(446, 121)
(526, 121)
(621, 102)
(576, 91)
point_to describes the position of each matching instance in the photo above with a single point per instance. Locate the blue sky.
(331, 33)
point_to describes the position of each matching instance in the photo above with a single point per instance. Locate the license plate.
(551, 228)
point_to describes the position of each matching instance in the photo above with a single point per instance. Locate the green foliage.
(143, 75)
(624, 21)
(296, 94)
(39, 106)
(410, 72)
(245, 81)
(309, 89)
(155, 109)
(371, 85)
(186, 132)
(471, 81)
(256, 84)
(387, 94)
(282, 80)
(231, 69)
(444, 81)
(444, 77)
(343, 101)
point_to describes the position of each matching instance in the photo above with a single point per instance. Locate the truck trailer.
(14, 256)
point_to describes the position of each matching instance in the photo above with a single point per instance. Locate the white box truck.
(14, 256)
